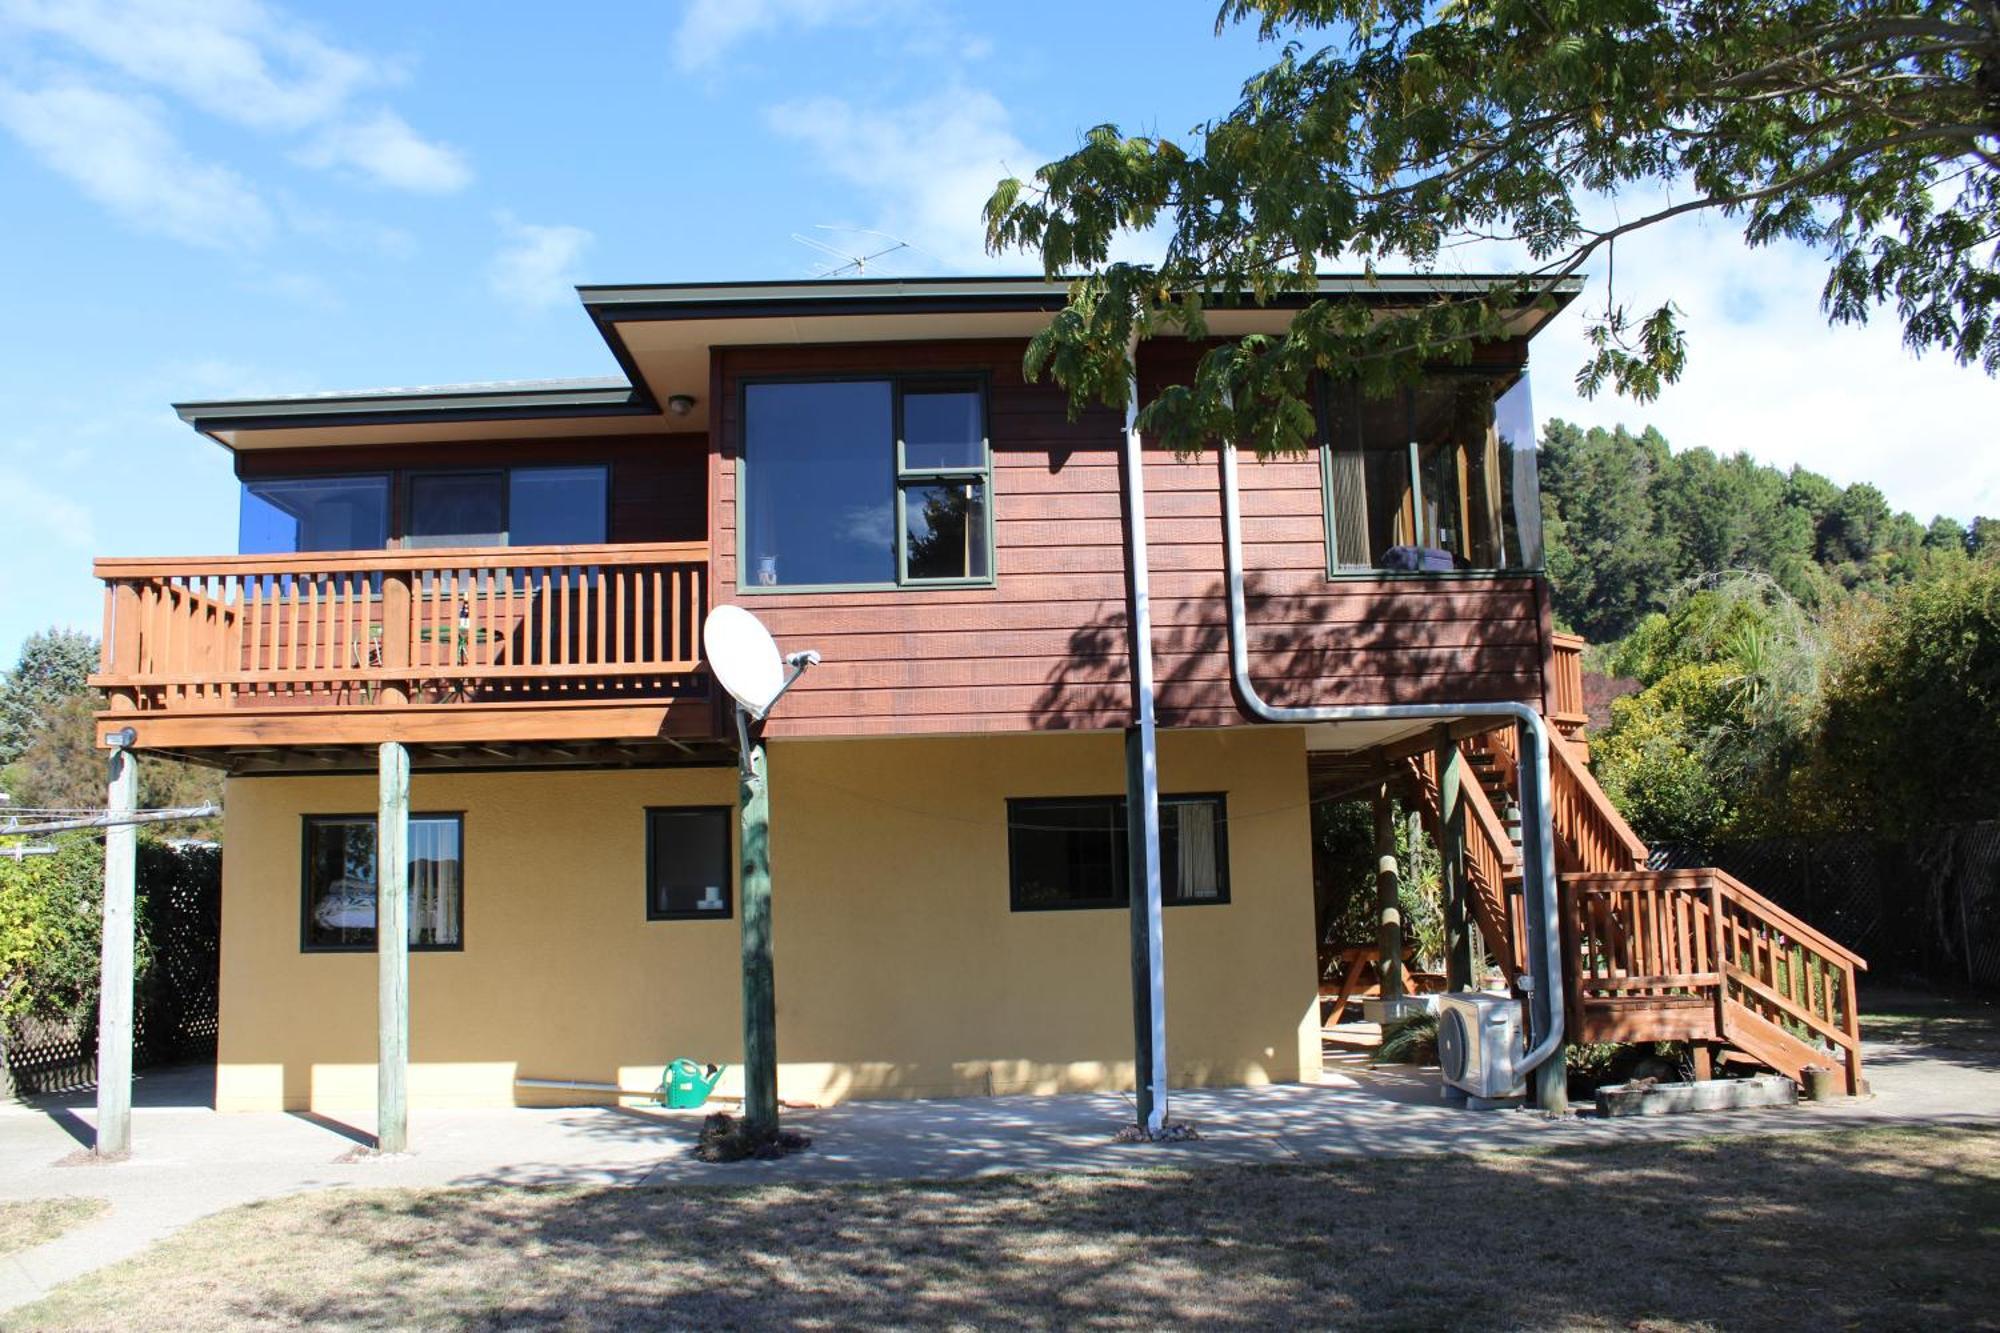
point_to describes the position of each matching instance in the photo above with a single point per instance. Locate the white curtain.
(1199, 877)
(435, 870)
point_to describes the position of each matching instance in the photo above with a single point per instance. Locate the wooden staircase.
(1650, 955)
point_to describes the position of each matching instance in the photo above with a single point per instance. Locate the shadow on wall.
(1423, 642)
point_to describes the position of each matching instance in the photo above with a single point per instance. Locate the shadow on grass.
(1883, 1227)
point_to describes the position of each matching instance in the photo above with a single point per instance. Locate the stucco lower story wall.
(901, 968)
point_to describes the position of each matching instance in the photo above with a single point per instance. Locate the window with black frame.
(689, 857)
(865, 483)
(1066, 853)
(339, 883)
(1433, 479)
(566, 505)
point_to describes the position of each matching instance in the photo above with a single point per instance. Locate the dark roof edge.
(403, 406)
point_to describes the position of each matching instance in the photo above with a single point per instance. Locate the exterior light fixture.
(680, 404)
(122, 739)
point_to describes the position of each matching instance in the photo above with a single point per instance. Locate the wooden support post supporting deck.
(114, 996)
(1461, 950)
(392, 949)
(760, 1011)
(1388, 902)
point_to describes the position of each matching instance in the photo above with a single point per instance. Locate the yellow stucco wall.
(900, 969)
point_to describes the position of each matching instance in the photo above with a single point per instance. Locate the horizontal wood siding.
(1045, 649)
(659, 483)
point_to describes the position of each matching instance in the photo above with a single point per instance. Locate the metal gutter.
(1543, 980)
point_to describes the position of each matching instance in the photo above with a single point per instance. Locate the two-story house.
(510, 579)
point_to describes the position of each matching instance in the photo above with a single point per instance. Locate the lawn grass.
(1894, 1228)
(31, 1222)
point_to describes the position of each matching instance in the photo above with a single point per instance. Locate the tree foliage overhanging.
(1388, 132)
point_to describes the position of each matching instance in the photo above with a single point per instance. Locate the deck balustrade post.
(121, 649)
(396, 634)
(392, 947)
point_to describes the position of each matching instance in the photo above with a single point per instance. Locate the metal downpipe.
(1538, 857)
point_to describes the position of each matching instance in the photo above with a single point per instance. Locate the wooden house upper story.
(510, 573)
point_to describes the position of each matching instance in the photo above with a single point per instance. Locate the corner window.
(340, 884)
(1070, 852)
(688, 860)
(283, 515)
(1435, 479)
(870, 483)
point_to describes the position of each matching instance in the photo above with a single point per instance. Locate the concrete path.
(189, 1161)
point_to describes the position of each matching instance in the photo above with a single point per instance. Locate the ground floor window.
(339, 891)
(1070, 852)
(688, 857)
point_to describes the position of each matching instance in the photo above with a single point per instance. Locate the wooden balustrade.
(1697, 955)
(1591, 836)
(1492, 865)
(385, 629)
(1569, 714)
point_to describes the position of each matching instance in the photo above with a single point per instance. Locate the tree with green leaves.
(54, 665)
(1608, 560)
(1387, 132)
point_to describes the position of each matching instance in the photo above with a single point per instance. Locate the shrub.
(1411, 1040)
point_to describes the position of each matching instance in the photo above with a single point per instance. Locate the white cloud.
(535, 267)
(31, 510)
(119, 151)
(709, 28)
(926, 167)
(384, 148)
(240, 60)
(1767, 375)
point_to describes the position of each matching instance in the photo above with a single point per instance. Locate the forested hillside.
(1806, 657)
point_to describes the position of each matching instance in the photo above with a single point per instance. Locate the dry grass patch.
(33, 1222)
(1875, 1228)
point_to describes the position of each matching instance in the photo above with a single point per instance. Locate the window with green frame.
(1434, 479)
(865, 483)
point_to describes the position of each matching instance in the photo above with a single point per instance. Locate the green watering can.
(685, 1084)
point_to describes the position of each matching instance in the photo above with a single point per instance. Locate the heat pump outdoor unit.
(1480, 1045)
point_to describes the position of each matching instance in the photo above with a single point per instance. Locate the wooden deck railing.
(394, 628)
(1591, 835)
(1698, 955)
(1492, 865)
(1566, 675)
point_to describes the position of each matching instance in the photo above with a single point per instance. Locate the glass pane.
(942, 428)
(1371, 506)
(437, 868)
(1067, 853)
(556, 506)
(818, 484)
(1520, 477)
(691, 860)
(286, 514)
(458, 509)
(946, 525)
(340, 883)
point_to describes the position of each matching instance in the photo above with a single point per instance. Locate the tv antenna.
(856, 264)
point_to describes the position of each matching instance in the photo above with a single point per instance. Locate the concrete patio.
(189, 1161)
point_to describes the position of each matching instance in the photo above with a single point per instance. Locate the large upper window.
(1433, 479)
(522, 506)
(868, 482)
(286, 514)
(1071, 852)
(340, 893)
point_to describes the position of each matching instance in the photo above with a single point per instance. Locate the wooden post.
(396, 633)
(1388, 904)
(392, 949)
(1461, 953)
(760, 1010)
(114, 996)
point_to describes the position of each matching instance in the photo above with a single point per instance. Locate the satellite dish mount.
(746, 662)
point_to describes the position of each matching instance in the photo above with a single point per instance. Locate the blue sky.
(207, 199)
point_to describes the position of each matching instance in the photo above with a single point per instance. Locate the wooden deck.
(516, 644)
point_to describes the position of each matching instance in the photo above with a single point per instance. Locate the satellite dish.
(744, 657)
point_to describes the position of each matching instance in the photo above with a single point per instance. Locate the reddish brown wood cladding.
(659, 483)
(1045, 648)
